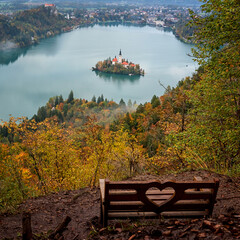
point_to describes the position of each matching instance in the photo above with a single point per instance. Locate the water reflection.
(50, 46)
(11, 55)
(117, 78)
(47, 47)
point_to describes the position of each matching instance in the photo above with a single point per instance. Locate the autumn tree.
(212, 138)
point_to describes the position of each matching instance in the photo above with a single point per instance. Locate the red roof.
(49, 5)
(115, 60)
(124, 63)
(132, 65)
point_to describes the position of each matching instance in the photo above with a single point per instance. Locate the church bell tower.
(120, 57)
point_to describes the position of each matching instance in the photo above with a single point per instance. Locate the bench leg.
(105, 217)
(101, 213)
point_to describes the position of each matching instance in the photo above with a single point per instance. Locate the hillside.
(70, 144)
(83, 207)
(27, 27)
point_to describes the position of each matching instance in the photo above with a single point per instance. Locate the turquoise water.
(29, 77)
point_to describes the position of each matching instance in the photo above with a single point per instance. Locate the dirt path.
(83, 208)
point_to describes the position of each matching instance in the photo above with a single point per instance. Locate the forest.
(27, 27)
(72, 143)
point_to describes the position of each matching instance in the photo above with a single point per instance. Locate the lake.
(57, 65)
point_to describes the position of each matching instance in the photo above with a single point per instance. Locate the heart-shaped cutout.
(157, 197)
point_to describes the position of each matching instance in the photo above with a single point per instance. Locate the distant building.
(54, 11)
(125, 64)
(67, 16)
(120, 57)
(49, 5)
(114, 61)
(121, 61)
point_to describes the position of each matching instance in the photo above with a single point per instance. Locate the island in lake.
(119, 66)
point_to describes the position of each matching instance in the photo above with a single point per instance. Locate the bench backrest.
(185, 198)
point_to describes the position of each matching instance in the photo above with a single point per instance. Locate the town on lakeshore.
(23, 24)
(119, 66)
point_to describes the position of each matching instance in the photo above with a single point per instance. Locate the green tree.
(56, 101)
(42, 113)
(155, 101)
(65, 109)
(129, 103)
(70, 97)
(60, 99)
(94, 99)
(122, 103)
(212, 137)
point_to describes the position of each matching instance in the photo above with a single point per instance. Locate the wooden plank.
(131, 214)
(138, 205)
(185, 214)
(123, 192)
(139, 185)
(158, 192)
(180, 202)
(206, 190)
(136, 198)
(123, 197)
(113, 183)
(151, 214)
(157, 198)
(102, 189)
(148, 192)
(196, 195)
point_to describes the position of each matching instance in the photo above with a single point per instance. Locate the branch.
(162, 85)
(60, 228)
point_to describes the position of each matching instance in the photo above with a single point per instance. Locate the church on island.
(119, 66)
(120, 61)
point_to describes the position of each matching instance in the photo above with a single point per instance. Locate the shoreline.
(14, 45)
(123, 74)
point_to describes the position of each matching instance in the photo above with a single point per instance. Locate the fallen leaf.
(202, 235)
(167, 233)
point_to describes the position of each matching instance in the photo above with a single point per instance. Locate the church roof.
(124, 63)
(120, 53)
(115, 59)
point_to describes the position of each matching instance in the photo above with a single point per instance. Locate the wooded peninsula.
(24, 28)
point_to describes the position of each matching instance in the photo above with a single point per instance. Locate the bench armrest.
(102, 189)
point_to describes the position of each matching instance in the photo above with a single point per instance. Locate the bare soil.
(83, 207)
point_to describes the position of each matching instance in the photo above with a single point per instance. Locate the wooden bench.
(155, 199)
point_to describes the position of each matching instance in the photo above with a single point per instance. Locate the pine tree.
(60, 99)
(70, 97)
(94, 99)
(122, 103)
